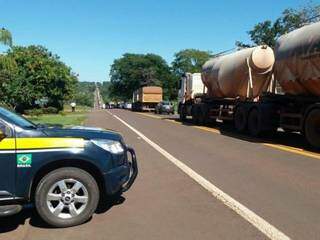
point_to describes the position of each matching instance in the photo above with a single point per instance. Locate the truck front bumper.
(121, 178)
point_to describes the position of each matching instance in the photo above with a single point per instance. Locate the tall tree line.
(132, 71)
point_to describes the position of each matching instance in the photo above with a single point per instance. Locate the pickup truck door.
(7, 161)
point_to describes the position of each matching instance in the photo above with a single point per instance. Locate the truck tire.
(195, 112)
(254, 122)
(66, 197)
(203, 115)
(312, 128)
(182, 113)
(240, 119)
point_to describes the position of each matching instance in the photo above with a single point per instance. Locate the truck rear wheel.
(240, 119)
(312, 128)
(254, 122)
(66, 197)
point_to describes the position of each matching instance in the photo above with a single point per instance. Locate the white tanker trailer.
(241, 87)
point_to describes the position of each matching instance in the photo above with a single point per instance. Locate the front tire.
(182, 113)
(195, 117)
(67, 197)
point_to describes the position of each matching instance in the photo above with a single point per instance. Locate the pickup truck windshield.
(15, 119)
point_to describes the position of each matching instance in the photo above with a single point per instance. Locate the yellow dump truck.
(146, 98)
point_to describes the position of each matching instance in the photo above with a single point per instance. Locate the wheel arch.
(81, 164)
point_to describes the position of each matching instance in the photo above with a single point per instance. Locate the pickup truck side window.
(6, 129)
(15, 119)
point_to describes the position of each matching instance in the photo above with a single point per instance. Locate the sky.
(89, 35)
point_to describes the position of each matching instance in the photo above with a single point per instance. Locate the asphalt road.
(276, 180)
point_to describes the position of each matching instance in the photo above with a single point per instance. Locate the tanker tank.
(297, 67)
(228, 76)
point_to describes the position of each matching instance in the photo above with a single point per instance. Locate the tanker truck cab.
(64, 172)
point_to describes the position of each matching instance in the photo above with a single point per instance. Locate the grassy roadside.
(65, 118)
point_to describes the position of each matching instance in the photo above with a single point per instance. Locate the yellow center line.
(293, 150)
(148, 115)
(173, 121)
(213, 130)
(281, 147)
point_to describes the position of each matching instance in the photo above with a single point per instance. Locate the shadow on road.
(293, 139)
(8, 224)
(106, 205)
(12, 223)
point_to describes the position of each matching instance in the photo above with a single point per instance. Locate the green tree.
(32, 73)
(105, 91)
(8, 76)
(84, 94)
(267, 32)
(132, 71)
(189, 60)
(5, 37)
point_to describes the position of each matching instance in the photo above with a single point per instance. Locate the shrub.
(6, 106)
(34, 112)
(50, 110)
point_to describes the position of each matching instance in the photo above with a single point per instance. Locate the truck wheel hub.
(67, 199)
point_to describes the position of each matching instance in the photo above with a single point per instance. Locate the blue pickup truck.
(64, 172)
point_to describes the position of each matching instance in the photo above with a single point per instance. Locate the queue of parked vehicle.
(258, 89)
(120, 105)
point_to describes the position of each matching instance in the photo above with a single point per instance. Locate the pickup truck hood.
(82, 132)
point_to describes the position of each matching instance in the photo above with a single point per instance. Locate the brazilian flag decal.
(24, 160)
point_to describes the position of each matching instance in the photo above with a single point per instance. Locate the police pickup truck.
(64, 172)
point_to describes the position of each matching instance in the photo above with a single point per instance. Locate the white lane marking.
(266, 228)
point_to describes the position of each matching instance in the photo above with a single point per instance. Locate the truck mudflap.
(133, 170)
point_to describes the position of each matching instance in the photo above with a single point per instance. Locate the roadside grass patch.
(64, 118)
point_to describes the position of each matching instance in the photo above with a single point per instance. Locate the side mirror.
(2, 135)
